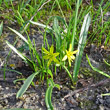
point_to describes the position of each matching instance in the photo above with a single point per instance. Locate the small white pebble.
(7, 88)
(77, 95)
(62, 99)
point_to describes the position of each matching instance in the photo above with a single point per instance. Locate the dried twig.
(103, 82)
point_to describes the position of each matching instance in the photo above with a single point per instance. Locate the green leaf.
(57, 86)
(69, 74)
(16, 51)
(41, 25)
(48, 98)
(30, 63)
(81, 45)
(1, 28)
(50, 81)
(26, 84)
(48, 95)
(95, 69)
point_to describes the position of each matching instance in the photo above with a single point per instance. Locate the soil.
(85, 96)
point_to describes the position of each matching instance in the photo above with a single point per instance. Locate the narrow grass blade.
(7, 58)
(81, 45)
(11, 70)
(24, 6)
(26, 84)
(22, 37)
(56, 28)
(19, 16)
(69, 74)
(50, 81)
(61, 11)
(49, 72)
(95, 69)
(23, 79)
(106, 63)
(105, 94)
(1, 28)
(75, 22)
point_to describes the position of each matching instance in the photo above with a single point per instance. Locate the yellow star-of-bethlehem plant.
(50, 55)
(69, 55)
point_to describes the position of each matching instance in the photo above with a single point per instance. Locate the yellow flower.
(50, 55)
(69, 55)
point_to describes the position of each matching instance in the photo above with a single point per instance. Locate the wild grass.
(68, 38)
(24, 10)
(97, 70)
(63, 51)
(100, 23)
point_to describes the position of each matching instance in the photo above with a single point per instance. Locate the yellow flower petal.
(45, 51)
(56, 61)
(46, 57)
(69, 62)
(69, 55)
(66, 52)
(50, 55)
(49, 62)
(74, 52)
(55, 54)
(51, 49)
(64, 58)
(72, 57)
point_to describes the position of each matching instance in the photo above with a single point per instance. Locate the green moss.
(86, 72)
